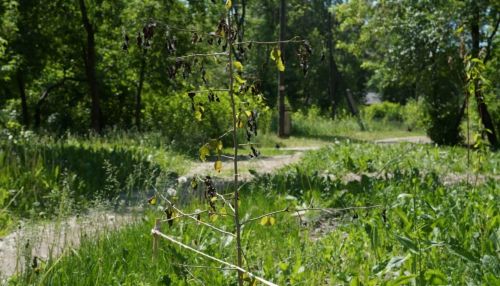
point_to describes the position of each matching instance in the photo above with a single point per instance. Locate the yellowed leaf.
(213, 217)
(238, 65)
(272, 220)
(280, 65)
(153, 200)
(239, 79)
(204, 152)
(198, 115)
(229, 4)
(268, 220)
(218, 166)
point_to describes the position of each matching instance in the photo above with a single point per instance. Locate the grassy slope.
(45, 176)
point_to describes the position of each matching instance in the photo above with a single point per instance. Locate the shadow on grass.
(48, 174)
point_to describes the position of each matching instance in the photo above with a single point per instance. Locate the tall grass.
(312, 124)
(36, 171)
(420, 230)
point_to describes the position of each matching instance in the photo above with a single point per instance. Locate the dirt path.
(411, 139)
(261, 165)
(52, 238)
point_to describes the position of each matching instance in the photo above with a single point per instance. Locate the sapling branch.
(184, 215)
(292, 40)
(237, 224)
(204, 267)
(225, 202)
(191, 216)
(265, 215)
(227, 157)
(199, 55)
(172, 27)
(208, 90)
(240, 270)
(303, 210)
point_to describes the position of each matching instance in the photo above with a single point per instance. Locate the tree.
(89, 55)
(408, 47)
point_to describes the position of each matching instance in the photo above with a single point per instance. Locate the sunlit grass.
(359, 244)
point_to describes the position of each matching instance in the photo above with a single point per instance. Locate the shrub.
(173, 115)
(414, 115)
(310, 123)
(443, 111)
(384, 111)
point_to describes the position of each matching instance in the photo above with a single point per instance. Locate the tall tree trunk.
(239, 51)
(90, 70)
(478, 94)
(24, 101)
(138, 94)
(332, 65)
(281, 75)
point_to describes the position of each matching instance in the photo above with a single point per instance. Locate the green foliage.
(443, 107)
(311, 123)
(414, 115)
(174, 113)
(39, 171)
(384, 111)
(423, 230)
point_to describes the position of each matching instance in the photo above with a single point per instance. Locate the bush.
(414, 115)
(173, 115)
(310, 123)
(384, 111)
(443, 110)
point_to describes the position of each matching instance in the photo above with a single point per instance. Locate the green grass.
(42, 173)
(313, 125)
(422, 231)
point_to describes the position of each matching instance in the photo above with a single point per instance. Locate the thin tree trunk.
(24, 101)
(138, 95)
(237, 224)
(478, 94)
(281, 75)
(90, 70)
(332, 65)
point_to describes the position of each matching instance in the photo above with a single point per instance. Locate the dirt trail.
(411, 139)
(51, 239)
(260, 165)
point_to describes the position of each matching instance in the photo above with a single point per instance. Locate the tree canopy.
(93, 64)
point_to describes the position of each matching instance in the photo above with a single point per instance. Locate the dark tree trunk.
(138, 94)
(24, 101)
(239, 52)
(281, 75)
(332, 65)
(90, 70)
(478, 94)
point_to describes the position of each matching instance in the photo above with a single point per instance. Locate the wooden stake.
(155, 238)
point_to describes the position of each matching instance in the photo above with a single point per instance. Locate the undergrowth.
(36, 172)
(416, 229)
